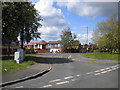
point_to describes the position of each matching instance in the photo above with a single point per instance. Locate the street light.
(87, 31)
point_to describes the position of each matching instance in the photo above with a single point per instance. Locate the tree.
(67, 39)
(107, 34)
(19, 19)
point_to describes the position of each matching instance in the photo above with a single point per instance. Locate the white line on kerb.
(68, 77)
(62, 82)
(55, 80)
(47, 86)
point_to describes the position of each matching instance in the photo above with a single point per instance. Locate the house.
(29, 45)
(43, 46)
(53, 46)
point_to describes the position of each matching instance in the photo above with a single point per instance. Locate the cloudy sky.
(76, 14)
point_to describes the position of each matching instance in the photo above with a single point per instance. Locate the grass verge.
(101, 56)
(7, 64)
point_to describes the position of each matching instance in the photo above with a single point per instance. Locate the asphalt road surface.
(73, 74)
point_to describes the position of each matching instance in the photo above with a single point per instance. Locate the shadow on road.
(48, 60)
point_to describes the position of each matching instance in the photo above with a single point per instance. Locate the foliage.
(11, 66)
(101, 56)
(107, 33)
(17, 18)
(67, 39)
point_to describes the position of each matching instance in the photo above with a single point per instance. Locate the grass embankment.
(102, 56)
(7, 64)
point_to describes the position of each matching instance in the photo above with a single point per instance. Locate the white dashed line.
(102, 69)
(104, 72)
(109, 70)
(68, 77)
(114, 68)
(55, 80)
(78, 75)
(97, 73)
(89, 73)
(73, 79)
(62, 82)
(46, 86)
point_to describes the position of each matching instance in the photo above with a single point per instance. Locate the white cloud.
(53, 20)
(91, 9)
(83, 37)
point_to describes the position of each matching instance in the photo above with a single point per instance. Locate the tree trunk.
(21, 37)
(9, 49)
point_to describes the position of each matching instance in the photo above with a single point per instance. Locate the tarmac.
(31, 72)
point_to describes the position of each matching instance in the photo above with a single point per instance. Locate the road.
(73, 74)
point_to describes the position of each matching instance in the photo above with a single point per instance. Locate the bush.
(98, 50)
(101, 50)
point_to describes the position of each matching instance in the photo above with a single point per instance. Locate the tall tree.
(107, 33)
(19, 18)
(67, 39)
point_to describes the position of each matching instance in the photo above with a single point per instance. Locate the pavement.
(31, 72)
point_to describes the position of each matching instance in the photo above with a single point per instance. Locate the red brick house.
(43, 46)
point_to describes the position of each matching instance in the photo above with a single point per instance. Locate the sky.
(76, 14)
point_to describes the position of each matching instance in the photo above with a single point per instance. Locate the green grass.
(7, 64)
(102, 56)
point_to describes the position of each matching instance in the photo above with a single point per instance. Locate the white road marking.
(97, 73)
(73, 79)
(78, 75)
(89, 72)
(19, 87)
(104, 72)
(47, 86)
(55, 80)
(102, 69)
(62, 82)
(68, 77)
(109, 70)
(69, 57)
(114, 68)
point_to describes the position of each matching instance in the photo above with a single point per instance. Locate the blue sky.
(74, 14)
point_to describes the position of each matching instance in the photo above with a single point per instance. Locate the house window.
(56, 45)
(49, 45)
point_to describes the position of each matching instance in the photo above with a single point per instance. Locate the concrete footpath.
(22, 75)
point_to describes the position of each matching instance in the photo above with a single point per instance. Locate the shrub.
(98, 50)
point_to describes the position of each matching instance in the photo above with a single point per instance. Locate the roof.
(42, 42)
(53, 42)
(31, 43)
